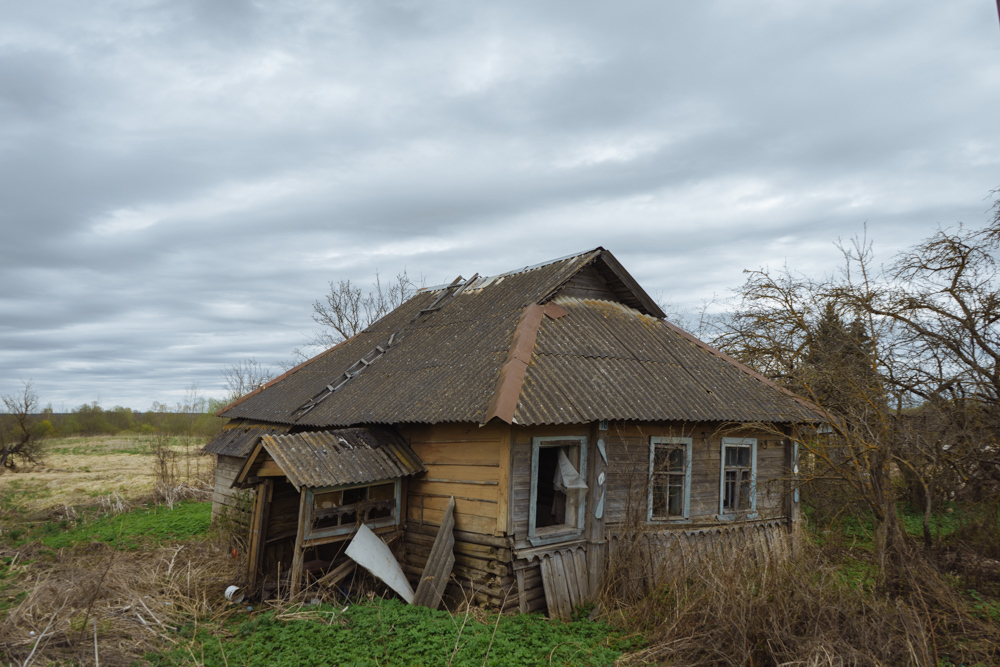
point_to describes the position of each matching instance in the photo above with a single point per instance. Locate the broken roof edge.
(809, 405)
(269, 383)
(598, 249)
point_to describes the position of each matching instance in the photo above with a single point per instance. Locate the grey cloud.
(179, 181)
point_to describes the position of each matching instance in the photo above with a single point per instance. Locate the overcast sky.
(180, 180)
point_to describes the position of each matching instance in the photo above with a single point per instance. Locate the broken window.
(340, 511)
(669, 478)
(558, 487)
(739, 473)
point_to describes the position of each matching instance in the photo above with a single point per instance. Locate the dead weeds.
(119, 604)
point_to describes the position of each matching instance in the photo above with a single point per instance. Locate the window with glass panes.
(670, 478)
(738, 474)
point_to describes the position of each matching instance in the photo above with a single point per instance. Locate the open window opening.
(340, 511)
(558, 486)
(738, 493)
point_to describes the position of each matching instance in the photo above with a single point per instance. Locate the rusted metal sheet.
(607, 361)
(238, 438)
(440, 562)
(342, 456)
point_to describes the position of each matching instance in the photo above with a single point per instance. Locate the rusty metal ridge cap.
(746, 369)
(281, 377)
(507, 393)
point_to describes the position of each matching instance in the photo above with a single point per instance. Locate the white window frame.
(558, 532)
(671, 443)
(730, 514)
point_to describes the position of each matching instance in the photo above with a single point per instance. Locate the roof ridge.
(524, 269)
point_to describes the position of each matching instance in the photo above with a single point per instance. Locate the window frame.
(563, 531)
(727, 514)
(670, 442)
(334, 531)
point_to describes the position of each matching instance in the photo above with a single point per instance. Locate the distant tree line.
(23, 425)
(91, 419)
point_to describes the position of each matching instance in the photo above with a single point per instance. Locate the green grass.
(390, 632)
(124, 531)
(15, 493)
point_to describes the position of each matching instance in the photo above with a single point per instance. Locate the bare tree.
(347, 310)
(793, 329)
(18, 442)
(245, 376)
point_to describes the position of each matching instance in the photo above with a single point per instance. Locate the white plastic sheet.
(371, 553)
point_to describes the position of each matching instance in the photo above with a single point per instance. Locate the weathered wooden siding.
(588, 284)
(468, 462)
(471, 463)
(664, 551)
(628, 470)
(223, 496)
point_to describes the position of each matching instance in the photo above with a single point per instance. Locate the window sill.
(553, 534)
(738, 516)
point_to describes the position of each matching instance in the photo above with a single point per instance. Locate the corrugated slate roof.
(604, 360)
(341, 457)
(443, 367)
(607, 361)
(238, 438)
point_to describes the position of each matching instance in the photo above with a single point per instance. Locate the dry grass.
(78, 471)
(125, 603)
(737, 608)
(91, 597)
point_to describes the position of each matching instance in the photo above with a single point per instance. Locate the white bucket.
(234, 594)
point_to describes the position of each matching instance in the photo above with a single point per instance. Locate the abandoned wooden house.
(554, 404)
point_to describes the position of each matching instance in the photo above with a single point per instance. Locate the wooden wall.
(628, 470)
(471, 463)
(226, 469)
(588, 284)
(466, 461)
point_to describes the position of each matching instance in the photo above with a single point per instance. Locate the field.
(99, 563)
(103, 562)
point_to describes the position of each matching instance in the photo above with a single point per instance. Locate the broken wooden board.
(337, 574)
(440, 562)
(371, 553)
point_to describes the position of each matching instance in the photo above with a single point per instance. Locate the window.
(738, 483)
(669, 479)
(339, 511)
(558, 487)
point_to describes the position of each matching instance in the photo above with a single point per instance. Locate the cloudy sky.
(180, 180)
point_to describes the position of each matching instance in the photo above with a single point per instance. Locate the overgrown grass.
(390, 632)
(130, 530)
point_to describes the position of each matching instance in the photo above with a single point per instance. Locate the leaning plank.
(337, 574)
(439, 563)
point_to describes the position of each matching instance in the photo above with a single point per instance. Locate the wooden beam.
(270, 469)
(297, 554)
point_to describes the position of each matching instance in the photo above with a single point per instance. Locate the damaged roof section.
(442, 365)
(339, 457)
(239, 438)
